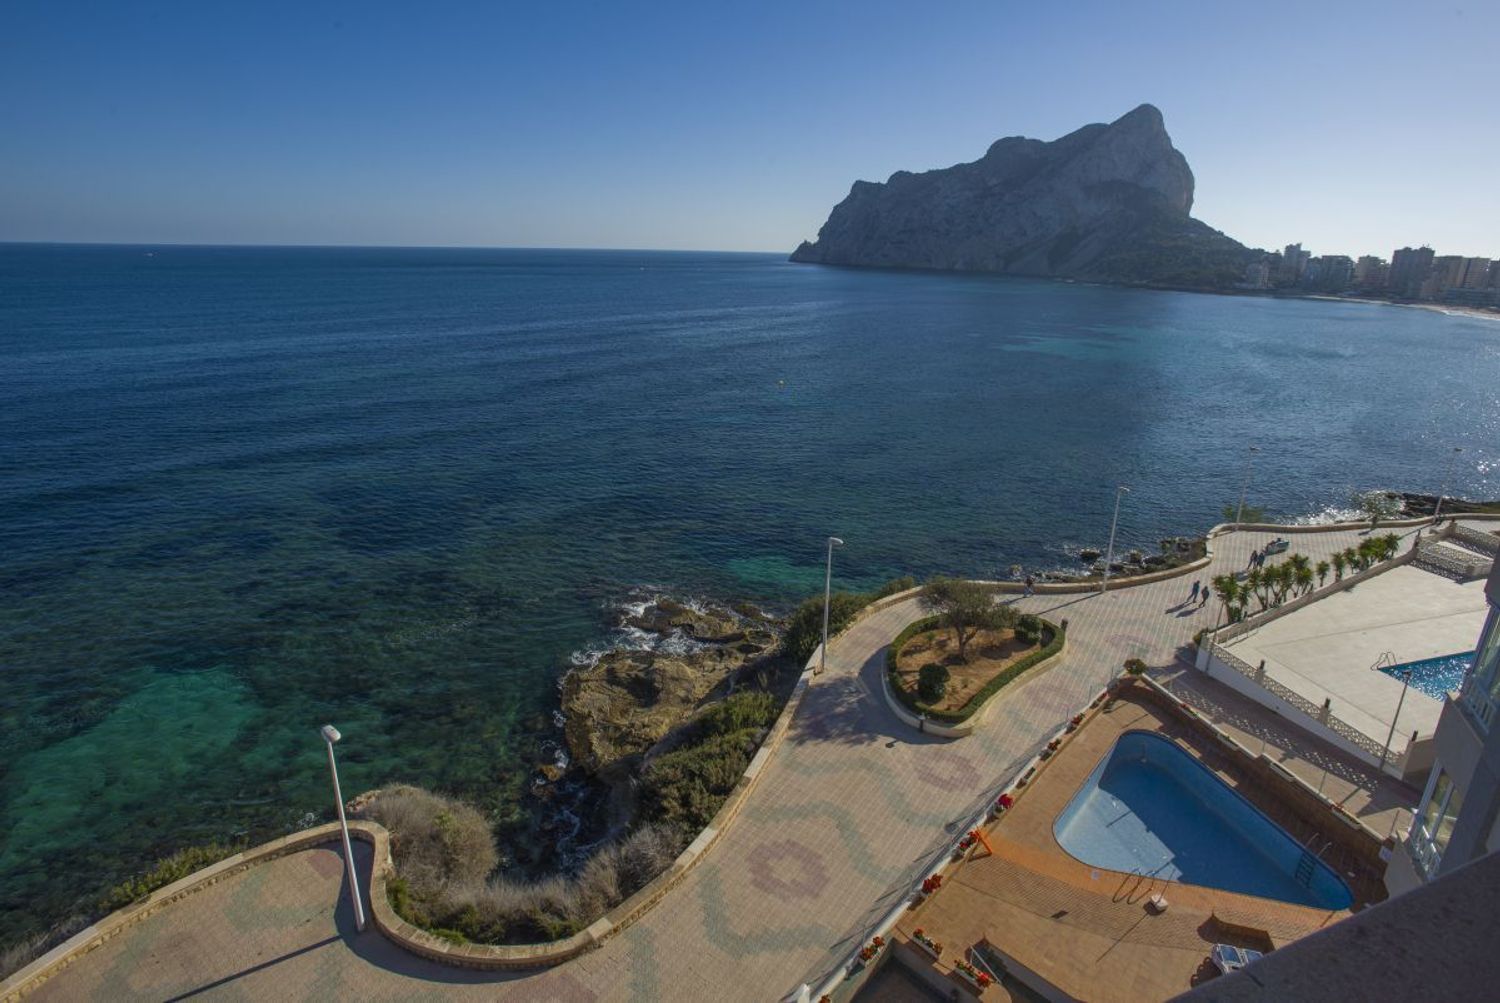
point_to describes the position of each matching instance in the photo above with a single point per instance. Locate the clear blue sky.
(1352, 127)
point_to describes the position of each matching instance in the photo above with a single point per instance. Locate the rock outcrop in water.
(617, 708)
(1106, 203)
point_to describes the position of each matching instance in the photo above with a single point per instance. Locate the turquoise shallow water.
(246, 491)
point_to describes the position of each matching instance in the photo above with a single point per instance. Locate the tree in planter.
(965, 608)
(932, 682)
(1389, 544)
(1322, 570)
(1338, 567)
(1028, 628)
(1304, 579)
(1135, 666)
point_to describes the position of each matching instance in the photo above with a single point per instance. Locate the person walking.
(1193, 592)
(1029, 582)
(1203, 599)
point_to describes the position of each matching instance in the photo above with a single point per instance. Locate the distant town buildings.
(1413, 273)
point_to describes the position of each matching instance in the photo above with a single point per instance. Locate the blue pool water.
(1437, 677)
(1150, 807)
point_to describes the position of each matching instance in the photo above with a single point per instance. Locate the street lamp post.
(833, 541)
(330, 735)
(1239, 511)
(1447, 480)
(1109, 557)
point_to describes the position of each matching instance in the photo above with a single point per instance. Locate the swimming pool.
(1150, 807)
(1437, 677)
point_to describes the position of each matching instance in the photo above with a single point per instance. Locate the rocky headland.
(624, 702)
(1106, 203)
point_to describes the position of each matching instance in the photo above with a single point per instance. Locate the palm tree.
(1390, 544)
(1351, 558)
(1304, 577)
(1338, 566)
(1323, 573)
(1251, 586)
(1282, 579)
(1228, 590)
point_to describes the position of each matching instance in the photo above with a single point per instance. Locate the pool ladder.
(1306, 867)
(1307, 864)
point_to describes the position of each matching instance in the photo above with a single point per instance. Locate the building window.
(1482, 690)
(1433, 825)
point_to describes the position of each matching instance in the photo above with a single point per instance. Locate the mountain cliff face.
(1105, 203)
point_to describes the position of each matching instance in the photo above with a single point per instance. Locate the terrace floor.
(1087, 930)
(1325, 650)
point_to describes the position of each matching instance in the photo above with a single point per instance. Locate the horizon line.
(376, 247)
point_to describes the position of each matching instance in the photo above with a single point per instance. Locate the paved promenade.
(851, 807)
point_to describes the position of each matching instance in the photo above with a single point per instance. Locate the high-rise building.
(1370, 272)
(1476, 273)
(1330, 273)
(1410, 267)
(1294, 263)
(1448, 270)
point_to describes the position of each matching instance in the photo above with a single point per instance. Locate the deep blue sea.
(246, 491)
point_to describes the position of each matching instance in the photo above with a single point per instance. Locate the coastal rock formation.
(1105, 203)
(628, 700)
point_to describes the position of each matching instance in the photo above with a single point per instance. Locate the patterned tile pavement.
(850, 809)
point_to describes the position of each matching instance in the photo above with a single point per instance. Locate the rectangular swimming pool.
(1150, 807)
(1437, 677)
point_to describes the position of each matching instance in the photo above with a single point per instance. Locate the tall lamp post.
(1239, 511)
(1110, 554)
(1447, 480)
(330, 735)
(833, 541)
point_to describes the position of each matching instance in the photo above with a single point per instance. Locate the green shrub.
(685, 788)
(1028, 628)
(893, 586)
(1135, 666)
(804, 630)
(165, 871)
(932, 681)
(747, 709)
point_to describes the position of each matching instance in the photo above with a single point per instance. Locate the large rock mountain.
(1105, 203)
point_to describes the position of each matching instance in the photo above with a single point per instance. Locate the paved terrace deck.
(1326, 650)
(847, 813)
(1086, 929)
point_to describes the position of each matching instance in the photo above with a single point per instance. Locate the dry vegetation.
(990, 652)
(444, 852)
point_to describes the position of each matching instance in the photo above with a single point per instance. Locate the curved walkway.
(849, 810)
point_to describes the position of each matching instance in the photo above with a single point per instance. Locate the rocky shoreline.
(623, 705)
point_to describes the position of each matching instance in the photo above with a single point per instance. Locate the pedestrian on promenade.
(1203, 599)
(1193, 592)
(1029, 582)
(1253, 555)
